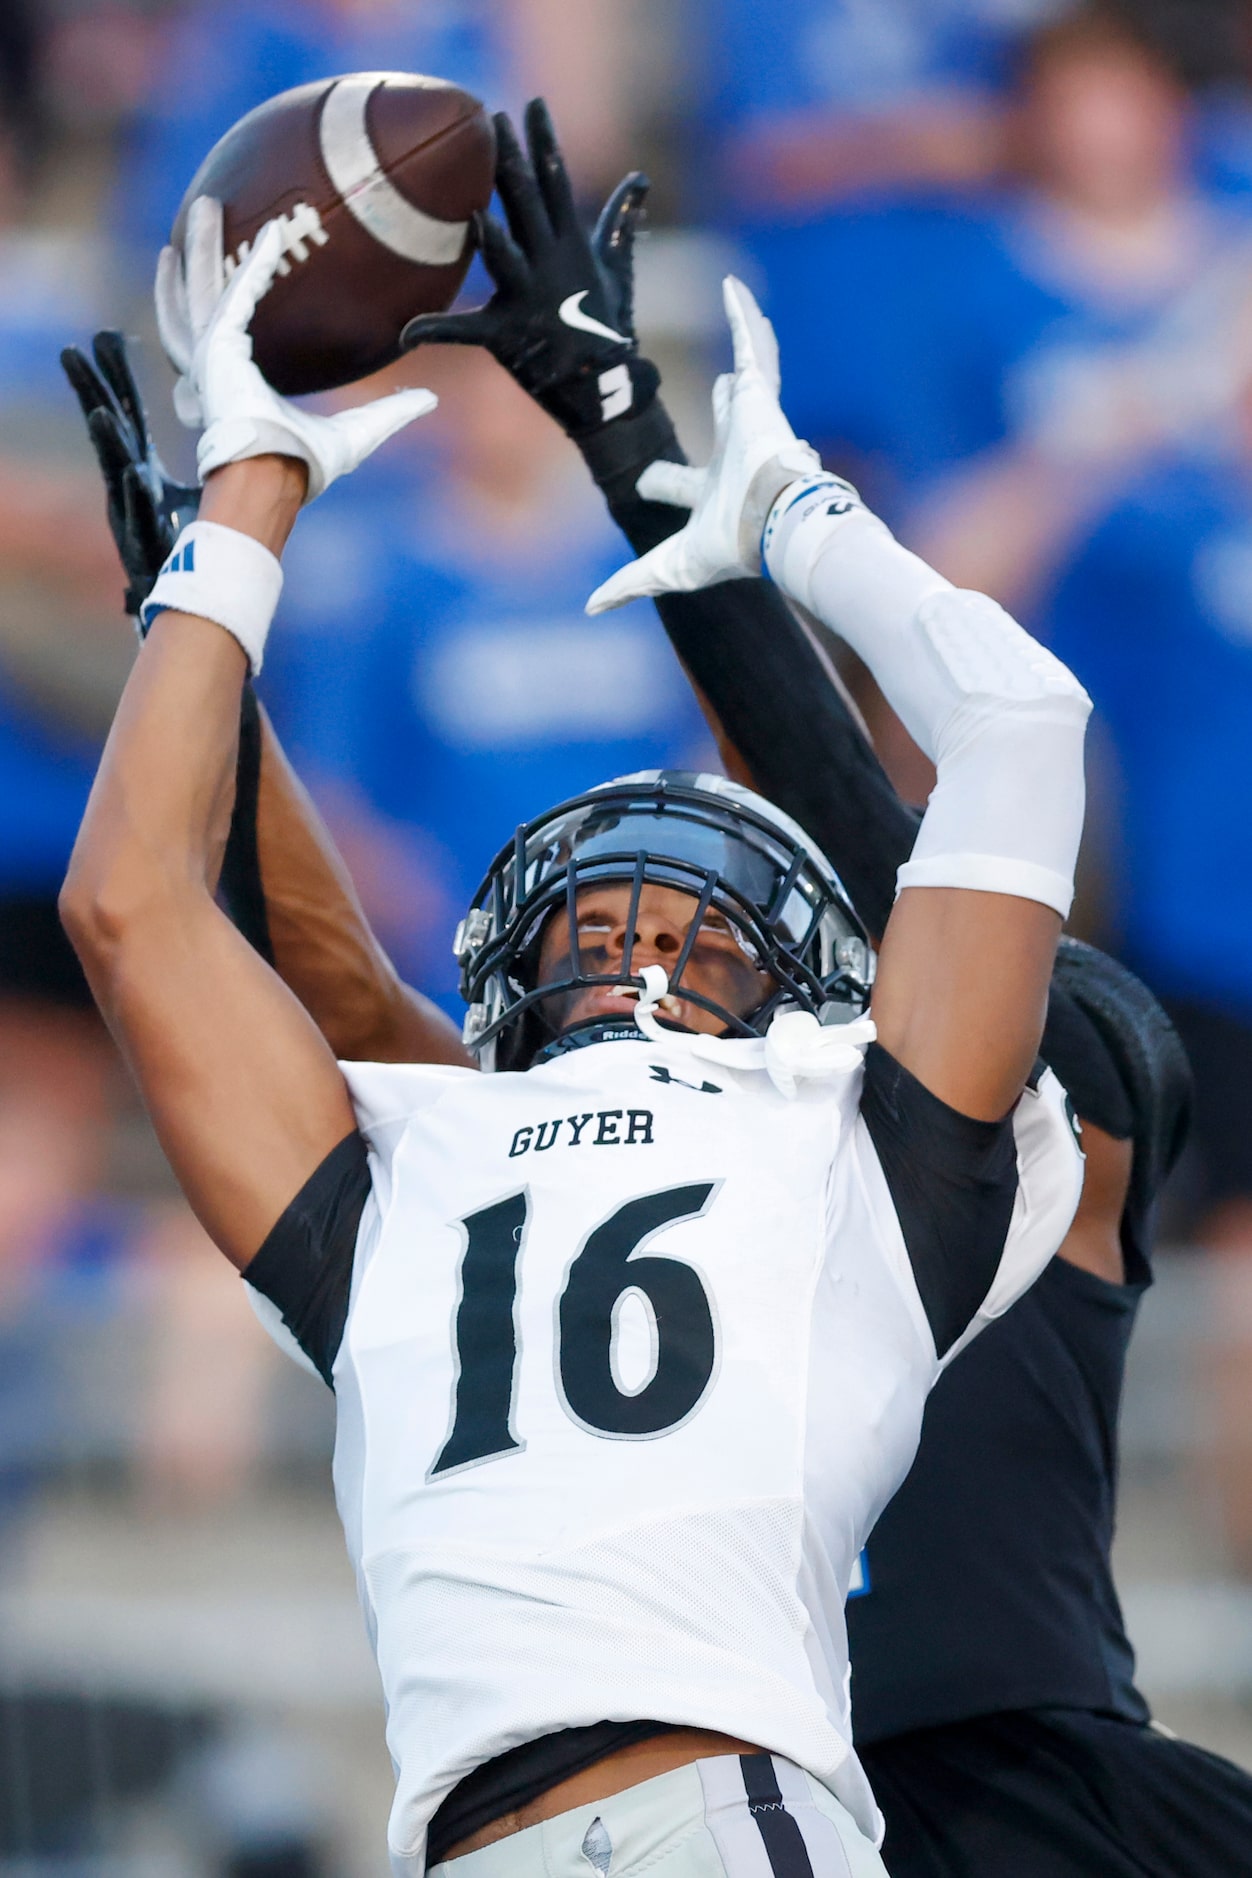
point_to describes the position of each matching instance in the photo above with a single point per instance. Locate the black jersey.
(1058, 1793)
(989, 1585)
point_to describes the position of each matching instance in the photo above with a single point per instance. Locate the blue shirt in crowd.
(768, 59)
(50, 294)
(45, 778)
(1155, 616)
(915, 335)
(899, 328)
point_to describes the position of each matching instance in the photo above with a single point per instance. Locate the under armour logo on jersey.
(570, 313)
(661, 1074)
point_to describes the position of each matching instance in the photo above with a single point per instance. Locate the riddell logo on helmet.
(300, 226)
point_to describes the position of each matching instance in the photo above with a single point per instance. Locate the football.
(373, 178)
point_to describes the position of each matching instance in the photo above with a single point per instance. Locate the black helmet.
(709, 837)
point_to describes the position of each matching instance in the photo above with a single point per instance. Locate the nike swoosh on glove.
(755, 455)
(242, 415)
(561, 319)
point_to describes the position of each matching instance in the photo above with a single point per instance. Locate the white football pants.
(731, 1816)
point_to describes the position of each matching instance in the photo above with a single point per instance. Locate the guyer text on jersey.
(598, 1128)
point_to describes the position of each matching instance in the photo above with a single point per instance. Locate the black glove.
(147, 509)
(561, 320)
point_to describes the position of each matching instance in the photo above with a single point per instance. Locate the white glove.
(189, 284)
(204, 323)
(755, 455)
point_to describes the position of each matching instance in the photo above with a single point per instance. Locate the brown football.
(375, 177)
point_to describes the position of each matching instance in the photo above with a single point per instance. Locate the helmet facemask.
(737, 858)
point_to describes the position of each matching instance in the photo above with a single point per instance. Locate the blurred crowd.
(1007, 245)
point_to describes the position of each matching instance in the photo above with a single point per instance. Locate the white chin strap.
(796, 1047)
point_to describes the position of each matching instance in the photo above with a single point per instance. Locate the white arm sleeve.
(1000, 717)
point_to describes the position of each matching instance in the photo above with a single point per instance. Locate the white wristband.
(821, 495)
(221, 575)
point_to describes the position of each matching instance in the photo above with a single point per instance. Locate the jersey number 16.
(604, 1271)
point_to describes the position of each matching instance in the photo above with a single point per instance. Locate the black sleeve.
(952, 1181)
(800, 741)
(241, 885)
(305, 1265)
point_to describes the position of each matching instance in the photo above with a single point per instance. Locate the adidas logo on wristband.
(218, 574)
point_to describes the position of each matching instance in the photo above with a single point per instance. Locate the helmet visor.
(683, 850)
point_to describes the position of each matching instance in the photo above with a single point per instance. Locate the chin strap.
(795, 1048)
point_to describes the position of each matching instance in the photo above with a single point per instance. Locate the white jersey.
(634, 1357)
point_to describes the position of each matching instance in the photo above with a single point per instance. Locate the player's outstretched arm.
(283, 880)
(244, 1094)
(561, 322)
(968, 951)
(322, 944)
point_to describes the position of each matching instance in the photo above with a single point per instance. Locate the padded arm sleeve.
(1002, 719)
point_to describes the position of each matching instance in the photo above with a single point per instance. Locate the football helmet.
(729, 849)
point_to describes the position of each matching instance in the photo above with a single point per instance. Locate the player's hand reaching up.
(204, 319)
(755, 455)
(147, 508)
(561, 320)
